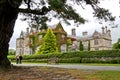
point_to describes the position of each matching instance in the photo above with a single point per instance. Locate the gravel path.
(74, 66)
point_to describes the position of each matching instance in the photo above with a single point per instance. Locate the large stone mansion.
(29, 41)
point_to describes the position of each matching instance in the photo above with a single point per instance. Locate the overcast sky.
(90, 26)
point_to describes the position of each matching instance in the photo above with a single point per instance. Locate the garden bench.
(53, 60)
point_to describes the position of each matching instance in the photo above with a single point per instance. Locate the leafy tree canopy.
(39, 11)
(81, 47)
(117, 44)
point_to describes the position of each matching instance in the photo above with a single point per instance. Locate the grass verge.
(107, 75)
(97, 64)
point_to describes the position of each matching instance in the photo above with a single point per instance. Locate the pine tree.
(81, 46)
(49, 44)
(88, 45)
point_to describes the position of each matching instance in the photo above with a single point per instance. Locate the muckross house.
(30, 41)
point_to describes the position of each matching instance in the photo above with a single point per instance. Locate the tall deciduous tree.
(117, 44)
(49, 43)
(8, 16)
(42, 9)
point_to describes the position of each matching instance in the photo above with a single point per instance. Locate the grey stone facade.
(98, 41)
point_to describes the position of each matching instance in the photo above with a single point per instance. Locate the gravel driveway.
(74, 66)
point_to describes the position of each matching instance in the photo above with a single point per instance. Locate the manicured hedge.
(11, 57)
(104, 56)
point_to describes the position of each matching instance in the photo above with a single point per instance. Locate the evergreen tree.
(81, 46)
(49, 44)
(88, 45)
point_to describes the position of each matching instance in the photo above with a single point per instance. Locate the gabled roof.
(56, 29)
(56, 26)
(96, 34)
(59, 26)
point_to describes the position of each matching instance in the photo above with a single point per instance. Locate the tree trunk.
(8, 16)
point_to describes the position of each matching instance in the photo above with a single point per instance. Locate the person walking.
(17, 59)
(20, 57)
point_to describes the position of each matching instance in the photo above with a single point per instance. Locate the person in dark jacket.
(17, 59)
(20, 58)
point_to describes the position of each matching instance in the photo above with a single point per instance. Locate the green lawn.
(100, 64)
(107, 75)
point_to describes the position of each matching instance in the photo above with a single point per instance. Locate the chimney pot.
(103, 32)
(85, 33)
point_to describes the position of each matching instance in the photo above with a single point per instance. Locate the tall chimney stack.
(103, 32)
(27, 29)
(106, 28)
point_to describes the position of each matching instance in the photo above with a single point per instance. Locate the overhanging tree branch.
(37, 12)
(42, 11)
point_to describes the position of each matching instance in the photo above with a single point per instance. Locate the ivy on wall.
(37, 38)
